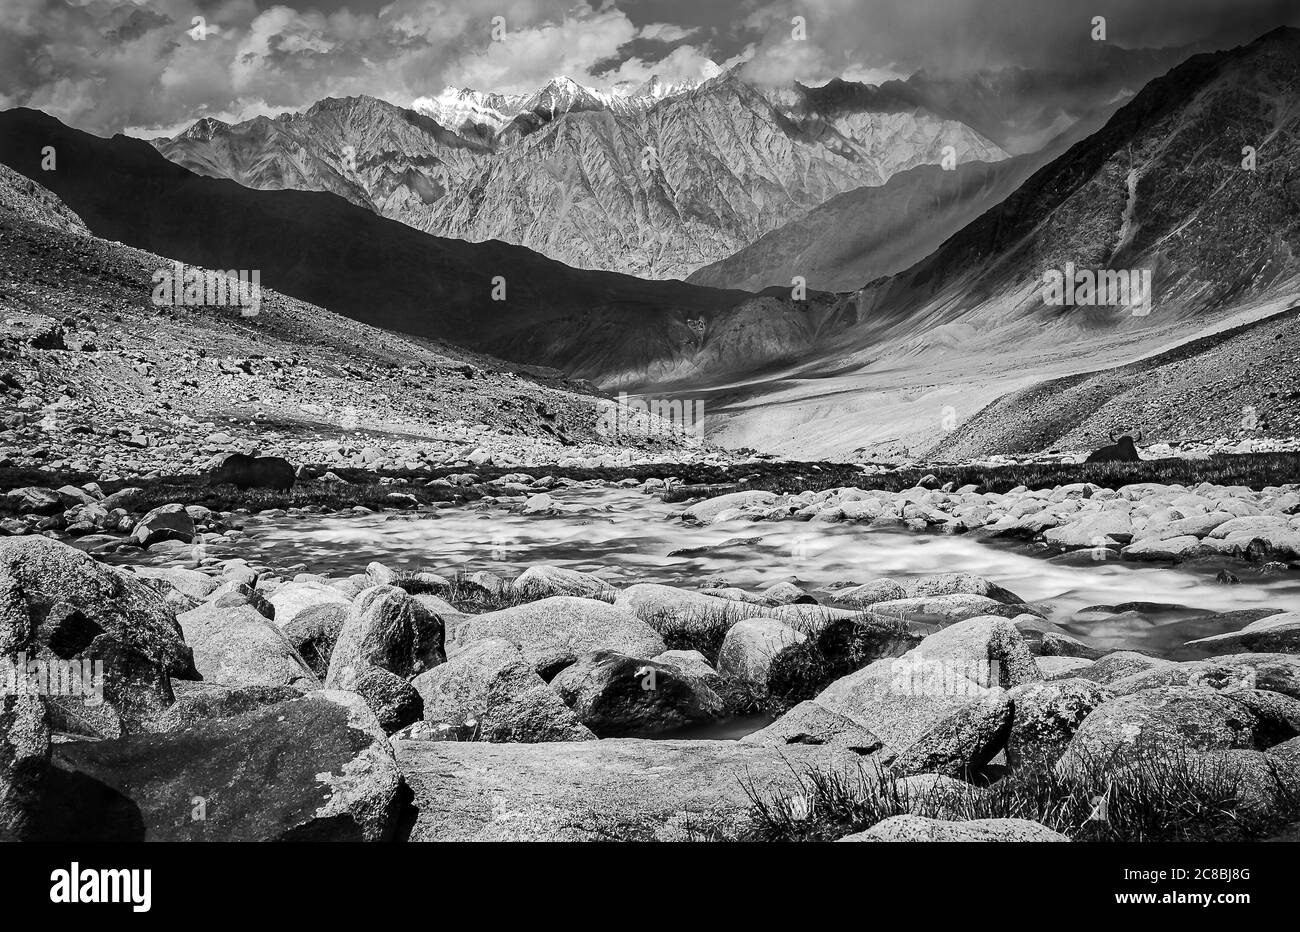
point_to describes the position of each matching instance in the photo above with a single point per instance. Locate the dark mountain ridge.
(319, 248)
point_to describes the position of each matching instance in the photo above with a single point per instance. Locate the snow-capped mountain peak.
(464, 109)
(565, 95)
(656, 88)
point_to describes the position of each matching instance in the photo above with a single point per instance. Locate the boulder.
(239, 647)
(294, 597)
(317, 768)
(919, 828)
(492, 585)
(493, 686)
(922, 587)
(837, 648)
(1087, 530)
(24, 760)
(1119, 664)
(1275, 634)
(954, 607)
(56, 603)
(252, 472)
(33, 500)
(809, 723)
(553, 632)
(232, 594)
(619, 696)
(314, 631)
(1058, 644)
(730, 507)
(786, 593)
(749, 647)
(1287, 756)
(540, 582)
(1160, 721)
(539, 504)
(942, 705)
(1045, 717)
(166, 522)
(959, 744)
(1171, 549)
(190, 583)
(212, 702)
(734, 594)
(395, 702)
(1250, 526)
(388, 629)
(612, 790)
(882, 590)
(1279, 673)
(690, 662)
(654, 603)
(1058, 668)
(379, 574)
(988, 650)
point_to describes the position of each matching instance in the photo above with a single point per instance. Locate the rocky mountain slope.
(94, 376)
(655, 186)
(377, 156)
(323, 250)
(1244, 382)
(870, 232)
(875, 231)
(1162, 187)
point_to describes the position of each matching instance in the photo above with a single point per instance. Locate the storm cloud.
(121, 65)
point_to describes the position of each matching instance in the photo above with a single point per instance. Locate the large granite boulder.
(239, 647)
(554, 632)
(166, 522)
(750, 646)
(619, 789)
(491, 689)
(388, 629)
(1162, 721)
(317, 768)
(108, 633)
(942, 706)
(540, 582)
(620, 696)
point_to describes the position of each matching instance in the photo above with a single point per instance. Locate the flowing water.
(625, 536)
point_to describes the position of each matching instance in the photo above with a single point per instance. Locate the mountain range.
(654, 185)
(319, 248)
(1195, 181)
(925, 311)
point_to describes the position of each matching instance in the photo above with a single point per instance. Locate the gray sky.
(129, 65)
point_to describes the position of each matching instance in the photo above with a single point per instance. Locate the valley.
(693, 457)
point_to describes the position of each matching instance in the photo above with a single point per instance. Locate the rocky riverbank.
(1194, 450)
(1143, 521)
(238, 700)
(1137, 521)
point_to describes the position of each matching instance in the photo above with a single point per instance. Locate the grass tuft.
(1176, 797)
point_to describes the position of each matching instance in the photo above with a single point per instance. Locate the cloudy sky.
(140, 67)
